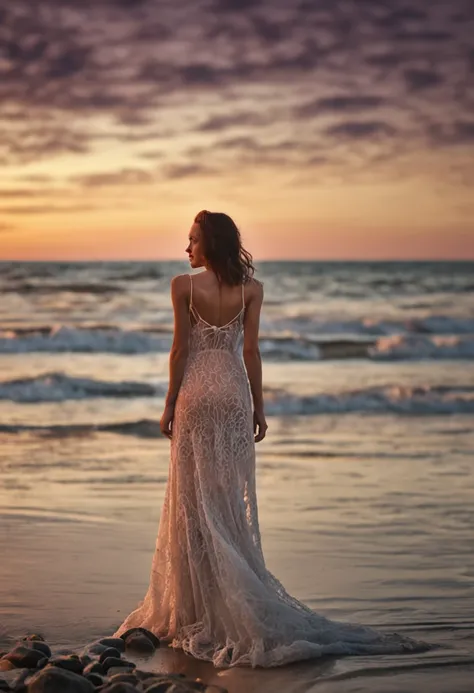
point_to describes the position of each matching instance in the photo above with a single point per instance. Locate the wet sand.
(382, 541)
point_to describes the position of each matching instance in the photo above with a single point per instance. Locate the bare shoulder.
(255, 288)
(180, 283)
(254, 283)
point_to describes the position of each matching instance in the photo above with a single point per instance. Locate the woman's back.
(217, 321)
(216, 304)
(215, 374)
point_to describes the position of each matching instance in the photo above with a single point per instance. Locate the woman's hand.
(260, 423)
(166, 420)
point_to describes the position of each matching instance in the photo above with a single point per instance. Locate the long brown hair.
(222, 248)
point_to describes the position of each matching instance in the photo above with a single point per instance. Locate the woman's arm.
(251, 351)
(180, 347)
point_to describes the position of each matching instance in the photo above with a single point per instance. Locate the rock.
(139, 642)
(66, 651)
(119, 687)
(158, 679)
(95, 679)
(68, 662)
(118, 643)
(42, 663)
(15, 677)
(179, 688)
(147, 633)
(118, 670)
(159, 686)
(145, 675)
(56, 680)
(167, 685)
(125, 677)
(41, 646)
(6, 665)
(23, 656)
(109, 652)
(117, 662)
(157, 676)
(95, 648)
(100, 668)
(93, 668)
(196, 685)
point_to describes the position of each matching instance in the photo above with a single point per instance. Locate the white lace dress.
(210, 592)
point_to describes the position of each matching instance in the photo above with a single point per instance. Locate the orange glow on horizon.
(331, 243)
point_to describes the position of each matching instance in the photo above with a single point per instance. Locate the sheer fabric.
(210, 592)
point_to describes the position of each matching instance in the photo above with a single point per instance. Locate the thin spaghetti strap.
(243, 299)
(192, 309)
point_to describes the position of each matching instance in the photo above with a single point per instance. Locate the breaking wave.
(57, 387)
(400, 399)
(335, 341)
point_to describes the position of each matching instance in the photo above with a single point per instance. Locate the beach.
(365, 480)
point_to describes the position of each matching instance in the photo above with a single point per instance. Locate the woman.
(210, 592)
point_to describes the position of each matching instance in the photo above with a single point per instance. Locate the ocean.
(365, 479)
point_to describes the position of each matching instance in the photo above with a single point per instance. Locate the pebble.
(109, 652)
(31, 667)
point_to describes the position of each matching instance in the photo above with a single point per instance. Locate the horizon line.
(256, 262)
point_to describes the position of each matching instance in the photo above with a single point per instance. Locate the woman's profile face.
(194, 249)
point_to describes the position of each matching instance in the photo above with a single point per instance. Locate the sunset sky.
(326, 129)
